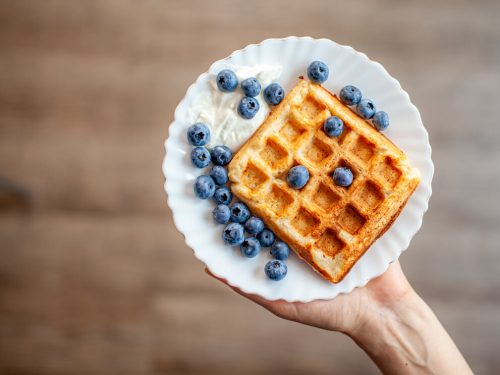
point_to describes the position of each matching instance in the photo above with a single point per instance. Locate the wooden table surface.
(94, 279)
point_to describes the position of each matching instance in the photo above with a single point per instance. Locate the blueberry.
(227, 80)
(250, 247)
(221, 214)
(251, 87)
(342, 176)
(297, 177)
(266, 238)
(248, 107)
(380, 120)
(280, 250)
(204, 187)
(239, 212)
(221, 155)
(200, 157)
(233, 234)
(223, 195)
(254, 225)
(366, 108)
(333, 126)
(276, 269)
(274, 94)
(198, 134)
(318, 72)
(219, 174)
(350, 95)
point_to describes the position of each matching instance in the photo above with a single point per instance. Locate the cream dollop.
(219, 111)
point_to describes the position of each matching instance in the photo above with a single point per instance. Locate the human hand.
(386, 318)
(347, 312)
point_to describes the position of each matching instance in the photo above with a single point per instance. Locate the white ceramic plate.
(193, 218)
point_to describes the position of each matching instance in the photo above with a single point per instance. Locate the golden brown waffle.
(328, 226)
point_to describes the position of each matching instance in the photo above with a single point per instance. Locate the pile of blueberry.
(351, 95)
(236, 217)
(257, 237)
(334, 126)
(249, 106)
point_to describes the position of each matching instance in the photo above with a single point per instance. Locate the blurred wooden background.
(94, 279)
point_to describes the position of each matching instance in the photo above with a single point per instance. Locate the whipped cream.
(219, 110)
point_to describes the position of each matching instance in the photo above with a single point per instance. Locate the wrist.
(394, 334)
(377, 318)
(388, 297)
(405, 337)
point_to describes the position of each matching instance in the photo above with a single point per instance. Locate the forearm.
(407, 338)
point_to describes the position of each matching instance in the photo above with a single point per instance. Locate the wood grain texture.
(95, 279)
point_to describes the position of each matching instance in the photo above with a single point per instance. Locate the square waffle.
(328, 226)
